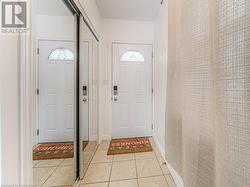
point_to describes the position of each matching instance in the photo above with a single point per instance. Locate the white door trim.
(26, 108)
(152, 81)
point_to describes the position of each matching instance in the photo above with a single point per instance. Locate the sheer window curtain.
(208, 95)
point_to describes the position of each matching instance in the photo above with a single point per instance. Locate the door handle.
(84, 90)
(115, 89)
(84, 100)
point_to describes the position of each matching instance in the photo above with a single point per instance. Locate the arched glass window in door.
(132, 56)
(61, 54)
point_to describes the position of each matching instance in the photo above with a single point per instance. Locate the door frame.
(152, 80)
(37, 86)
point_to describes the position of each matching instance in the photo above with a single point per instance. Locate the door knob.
(84, 100)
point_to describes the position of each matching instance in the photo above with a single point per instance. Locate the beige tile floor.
(60, 172)
(128, 170)
(54, 172)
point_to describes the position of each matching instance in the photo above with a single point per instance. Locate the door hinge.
(37, 91)
(38, 50)
(37, 132)
(152, 54)
(152, 126)
(152, 90)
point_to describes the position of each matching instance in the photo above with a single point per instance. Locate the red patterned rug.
(53, 151)
(129, 145)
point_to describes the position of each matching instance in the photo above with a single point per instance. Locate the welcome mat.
(129, 145)
(53, 151)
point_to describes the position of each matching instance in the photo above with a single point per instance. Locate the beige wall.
(160, 74)
(10, 126)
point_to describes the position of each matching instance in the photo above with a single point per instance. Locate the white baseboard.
(161, 147)
(177, 178)
(93, 138)
(105, 137)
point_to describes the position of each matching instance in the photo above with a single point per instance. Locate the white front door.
(132, 90)
(56, 91)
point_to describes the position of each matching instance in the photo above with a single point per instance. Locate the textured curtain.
(208, 95)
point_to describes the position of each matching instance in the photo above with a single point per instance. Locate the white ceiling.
(51, 7)
(139, 10)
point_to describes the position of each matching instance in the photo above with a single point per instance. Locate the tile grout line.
(88, 165)
(161, 169)
(120, 180)
(171, 177)
(60, 164)
(91, 160)
(150, 176)
(166, 179)
(51, 174)
(124, 161)
(136, 170)
(111, 171)
(136, 160)
(35, 166)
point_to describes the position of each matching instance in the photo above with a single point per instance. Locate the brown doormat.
(129, 145)
(53, 151)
